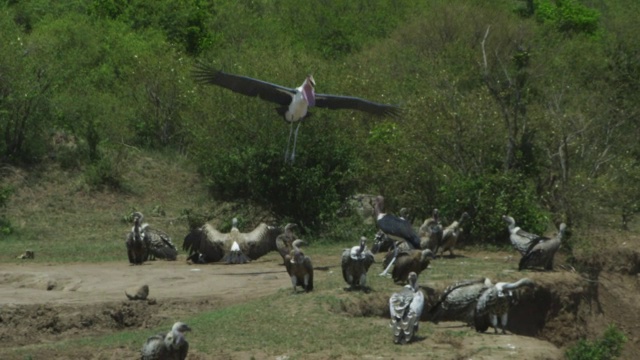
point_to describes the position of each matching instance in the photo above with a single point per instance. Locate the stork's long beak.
(309, 91)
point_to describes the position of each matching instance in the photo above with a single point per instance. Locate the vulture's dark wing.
(348, 102)
(207, 241)
(244, 85)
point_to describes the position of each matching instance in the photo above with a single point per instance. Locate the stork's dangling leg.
(395, 255)
(286, 153)
(295, 141)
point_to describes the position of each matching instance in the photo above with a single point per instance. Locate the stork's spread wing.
(244, 85)
(350, 102)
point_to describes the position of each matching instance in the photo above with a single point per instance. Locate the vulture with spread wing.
(211, 245)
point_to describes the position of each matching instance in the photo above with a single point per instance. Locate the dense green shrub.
(5, 224)
(487, 198)
(568, 16)
(609, 346)
(309, 191)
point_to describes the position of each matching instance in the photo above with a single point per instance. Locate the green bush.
(609, 346)
(309, 191)
(5, 224)
(486, 198)
(568, 16)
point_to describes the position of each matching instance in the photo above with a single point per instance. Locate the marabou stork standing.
(396, 228)
(294, 102)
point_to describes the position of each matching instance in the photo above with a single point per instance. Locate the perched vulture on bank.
(211, 245)
(299, 268)
(169, 346)
(451, 234)
(520, 239)
(458, 301)
(159, 244)
(542, 251)
(405, 308)
(355, 264)
(496, 300)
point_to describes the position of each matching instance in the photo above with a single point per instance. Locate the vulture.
(396, 228)
(136, 246)
(235, 254)
(406, 307)
(170, 346)
(451, 233)
(407, 261)
(520, 239)
(458, 301)
(430, 233)
(159, 244)
(141, 294)
(542, 251)
(299, 268)
(284, 240)
(495, 302)
(355, 264)
(206, 244)
(293, 103)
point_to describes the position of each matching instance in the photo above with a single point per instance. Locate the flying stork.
(294, 102)
(396, 228)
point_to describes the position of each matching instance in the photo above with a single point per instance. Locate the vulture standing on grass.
(355, 264)
(299, 268)
(542, 251)
(495, 302)
(430, 232)
(284, 240)
(136, 246)
(235, 254)
(451, 233)
(396, 228)
(520, 239)
(170, 346)
(407, 261)
(294, 103)
(458, 301)
(405, 308)
(212, 245)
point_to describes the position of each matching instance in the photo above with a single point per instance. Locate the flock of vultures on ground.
(478, 302)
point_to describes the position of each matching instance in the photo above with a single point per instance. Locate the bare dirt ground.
(42, 303)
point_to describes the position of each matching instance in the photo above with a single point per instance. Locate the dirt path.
(90, 283)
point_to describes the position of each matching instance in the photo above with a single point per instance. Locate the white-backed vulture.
(136, 246)
(458, 301)
(355, 265)
(211, 245)
(542, 252)
(430, 232)
(299, 268)
(407, 261)
(451, 234)
(170, 346)
(234, 254)
(284, 240)
(406, 308)
(520, 239)
(495, 302)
